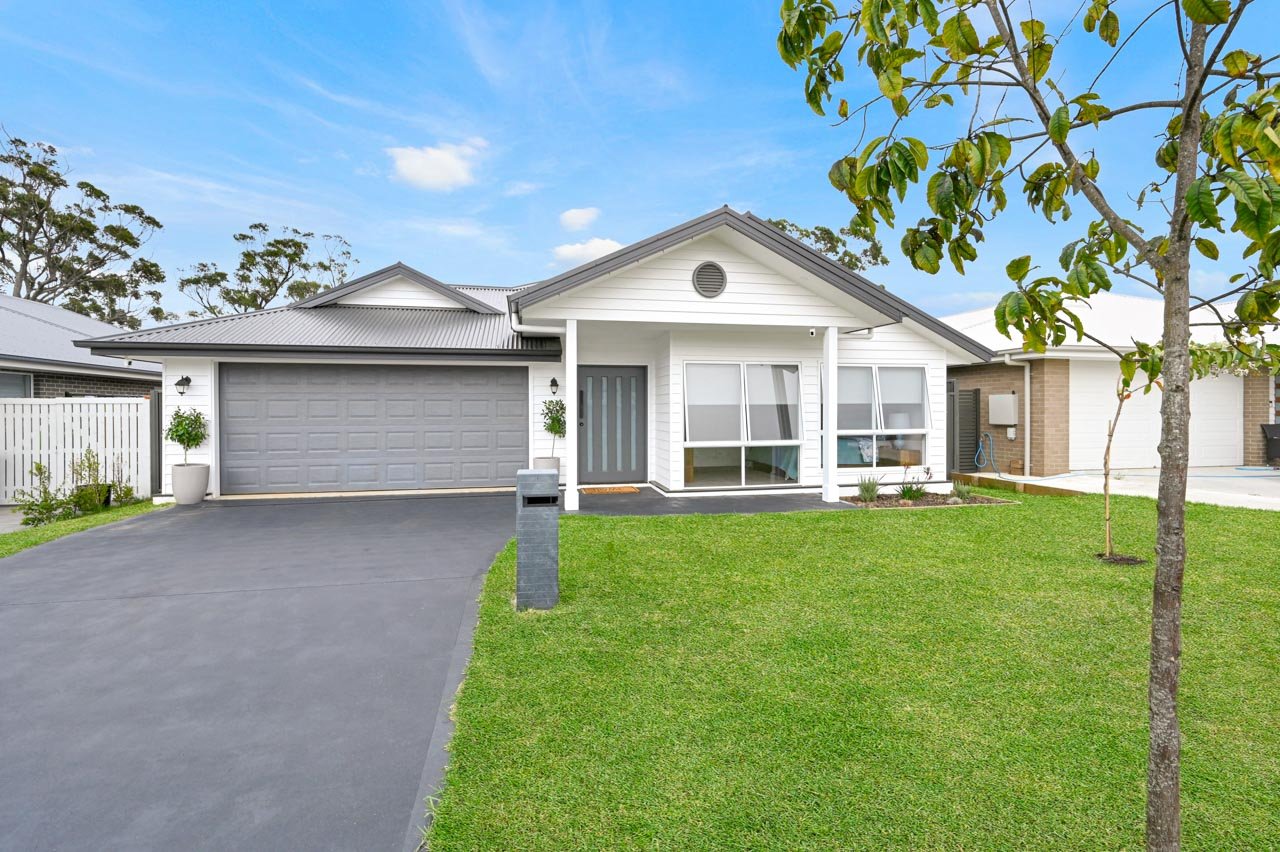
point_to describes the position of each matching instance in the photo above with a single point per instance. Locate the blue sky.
(454, 135)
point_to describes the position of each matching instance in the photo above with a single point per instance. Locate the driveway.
(241, 675)
(1248, 488)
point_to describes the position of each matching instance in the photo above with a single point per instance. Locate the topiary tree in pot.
(188, 429)
(553, 421)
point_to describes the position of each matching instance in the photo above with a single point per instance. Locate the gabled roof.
(397, 270)
(45, 335)
(784, 245)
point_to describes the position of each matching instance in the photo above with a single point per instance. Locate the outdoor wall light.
(182, 384)
(555, 386)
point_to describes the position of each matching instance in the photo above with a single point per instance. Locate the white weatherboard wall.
(1217, 414)
(203, 397)
(399, 291)
(58, 432)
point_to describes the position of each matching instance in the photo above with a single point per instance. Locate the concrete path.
(1221, 486)
(239, 675)
(9, 519)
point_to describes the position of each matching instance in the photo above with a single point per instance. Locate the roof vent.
(709, 280)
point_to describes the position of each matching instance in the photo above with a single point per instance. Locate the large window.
(882, 416)
(742, 424)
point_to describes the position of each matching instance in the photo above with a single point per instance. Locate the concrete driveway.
(1248, 488)
(238, 676)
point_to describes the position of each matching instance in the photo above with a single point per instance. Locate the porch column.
(831, 373)
(571, 415)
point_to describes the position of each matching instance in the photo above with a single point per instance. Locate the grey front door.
(612, 425)
(361, 427)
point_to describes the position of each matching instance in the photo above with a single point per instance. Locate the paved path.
(238, 676)
(1221, 486)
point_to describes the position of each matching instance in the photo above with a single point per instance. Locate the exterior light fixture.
(182, 384)
(555, 386)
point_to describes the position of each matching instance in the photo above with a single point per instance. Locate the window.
(742, 425)
(15, 385)
(882, 416)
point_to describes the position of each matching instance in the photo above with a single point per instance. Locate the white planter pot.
(547, 463)
(190, 482)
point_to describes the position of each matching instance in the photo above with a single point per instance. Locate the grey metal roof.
(355, 285)
(45, 336)
(341, 329)
(755, 228)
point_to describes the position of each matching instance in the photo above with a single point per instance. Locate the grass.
(940, 679)
(13, 542)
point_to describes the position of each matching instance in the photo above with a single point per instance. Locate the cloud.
(979, 298)
(577, 218)
(521, 187)
(440, 168)
(586, 250)
(458, 229)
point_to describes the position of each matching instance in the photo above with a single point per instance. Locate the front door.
(612, 426)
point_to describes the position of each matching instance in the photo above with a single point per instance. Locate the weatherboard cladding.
(345, 326)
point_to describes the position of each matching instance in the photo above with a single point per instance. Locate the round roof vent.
(709, 280)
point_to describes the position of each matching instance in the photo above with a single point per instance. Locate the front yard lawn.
(967, 678)
(21, 539)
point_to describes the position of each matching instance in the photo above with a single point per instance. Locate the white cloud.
(521, 187)
(441, 168)
(586, 250)
(577, 218)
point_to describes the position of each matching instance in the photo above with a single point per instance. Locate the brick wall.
(1050, 416)
(50, 385)
(1259, 408)
(995, 379)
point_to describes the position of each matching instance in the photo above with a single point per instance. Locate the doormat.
(612, 489)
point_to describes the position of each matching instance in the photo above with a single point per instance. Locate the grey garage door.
(326, 427)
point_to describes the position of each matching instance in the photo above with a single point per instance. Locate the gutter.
(1026, 410)
(535, 330)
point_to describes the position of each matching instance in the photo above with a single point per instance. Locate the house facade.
(710, 357)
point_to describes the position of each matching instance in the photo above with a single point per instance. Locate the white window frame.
(744, 424)
(881, 429)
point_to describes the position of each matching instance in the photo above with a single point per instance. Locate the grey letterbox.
(537, 539)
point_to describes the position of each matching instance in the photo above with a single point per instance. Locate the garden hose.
(986, 454)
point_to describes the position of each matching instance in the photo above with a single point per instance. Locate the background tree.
(841, 246)
(72, 245)
(290, 265)
(1030, 126)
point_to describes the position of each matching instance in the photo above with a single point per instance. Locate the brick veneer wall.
(1259, 408)
(50, 385)
(995, 379)
(1050, 438)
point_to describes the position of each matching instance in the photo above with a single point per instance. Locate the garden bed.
(928, 501)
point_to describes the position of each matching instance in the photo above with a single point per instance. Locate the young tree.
(1214, 168)
(289, 265)
(836, 244)
(72, 245)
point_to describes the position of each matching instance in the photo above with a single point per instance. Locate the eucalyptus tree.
(1209, 189)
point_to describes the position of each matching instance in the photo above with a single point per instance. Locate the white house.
(697, 359)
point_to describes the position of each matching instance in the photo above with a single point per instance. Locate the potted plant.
(188, 429)
(553, 414)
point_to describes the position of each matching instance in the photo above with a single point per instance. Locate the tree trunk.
(1164, 819)
(1109, 549)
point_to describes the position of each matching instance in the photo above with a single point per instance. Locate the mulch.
(928, 501)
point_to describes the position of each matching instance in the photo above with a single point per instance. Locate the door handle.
(581, 406)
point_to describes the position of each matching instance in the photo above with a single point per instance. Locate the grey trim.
(82, 368)
(762, 232)
(386, 274)
(330, 353)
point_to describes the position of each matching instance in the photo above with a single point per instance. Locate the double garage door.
(327, 427)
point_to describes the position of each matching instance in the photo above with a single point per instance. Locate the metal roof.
(45, 335)
(341, 329)
(398, 269)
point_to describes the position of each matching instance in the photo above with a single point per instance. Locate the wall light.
(555, 386)
(182, 384)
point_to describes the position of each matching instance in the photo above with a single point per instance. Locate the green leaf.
(891, 83)
(1201, 206)
(1060, 124)
(1109, 30)
(873, 21)
(1032, 30)
(1246, 190)
(1237, 63)
(928, 15)
(1018, 268)
(1207, 11)
(920, 152)
(1207, 248)
(1038, 59)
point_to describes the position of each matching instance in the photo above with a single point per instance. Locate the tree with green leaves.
(72, 245)
(1210, 183)
(289, 265)
(841, 246)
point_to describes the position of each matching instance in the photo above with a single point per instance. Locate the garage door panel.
(383, 427)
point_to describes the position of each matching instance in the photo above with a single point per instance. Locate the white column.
(571, 415)
(830, 369)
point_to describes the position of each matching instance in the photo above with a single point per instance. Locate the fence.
(56, 432)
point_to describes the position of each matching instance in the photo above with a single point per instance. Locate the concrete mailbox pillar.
(537, 539)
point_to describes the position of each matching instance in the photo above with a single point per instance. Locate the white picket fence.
(56, 432)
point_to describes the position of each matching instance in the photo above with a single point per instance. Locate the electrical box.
(1003, 409)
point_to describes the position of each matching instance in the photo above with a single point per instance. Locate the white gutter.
(539, 330)
(1026, 411)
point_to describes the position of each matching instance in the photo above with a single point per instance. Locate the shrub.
(868, 489)
(89, 493)
(553, 420)
(188, 429)
(962, 490)
(44, 504)
(912, 488)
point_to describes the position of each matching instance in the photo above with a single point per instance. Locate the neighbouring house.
(39, 358)
(1067, 396)
(696, 359)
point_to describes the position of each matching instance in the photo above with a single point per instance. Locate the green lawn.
(12, 542)
(958, 678)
